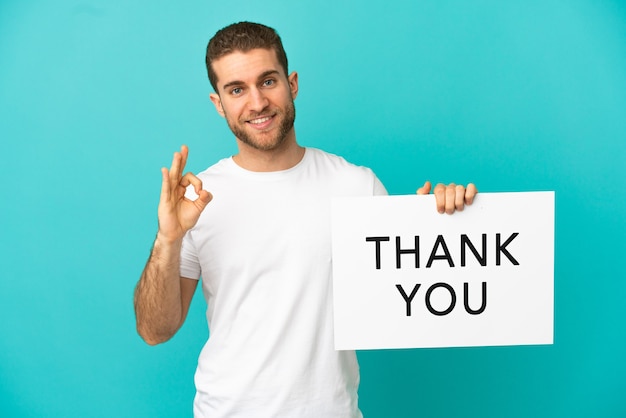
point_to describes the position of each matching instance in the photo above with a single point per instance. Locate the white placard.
(406, 276)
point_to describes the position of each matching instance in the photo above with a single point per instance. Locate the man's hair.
(243, 37)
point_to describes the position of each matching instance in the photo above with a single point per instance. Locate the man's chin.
(261, 144)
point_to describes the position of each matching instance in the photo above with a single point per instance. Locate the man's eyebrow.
(238, 82)
(268, 72)
(232, 83)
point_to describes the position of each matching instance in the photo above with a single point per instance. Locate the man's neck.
(288, 155)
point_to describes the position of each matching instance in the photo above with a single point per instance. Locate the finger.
(450, 198)
(459, 197)
(440, 197)
(190, 178)
(175, 168)
(425, 189)
(470, 193)
(184, 152)
(165, 185)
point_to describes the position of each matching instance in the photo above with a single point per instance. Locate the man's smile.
(261, 122)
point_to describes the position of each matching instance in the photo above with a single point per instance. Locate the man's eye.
(268, 82)
(236, 90)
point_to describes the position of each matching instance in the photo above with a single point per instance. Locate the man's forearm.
(158, 307)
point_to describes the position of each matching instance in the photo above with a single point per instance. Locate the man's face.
(256, 98)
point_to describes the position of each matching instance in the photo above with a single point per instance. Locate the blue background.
(514, 96)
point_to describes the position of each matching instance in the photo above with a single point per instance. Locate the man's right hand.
(178, 214)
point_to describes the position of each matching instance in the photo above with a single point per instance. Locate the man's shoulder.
(221, 167)
(334, 161)
(344, 177)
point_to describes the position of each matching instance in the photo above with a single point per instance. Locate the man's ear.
(293, 84)
(217, 102)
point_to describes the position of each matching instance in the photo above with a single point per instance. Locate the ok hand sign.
(178, 214)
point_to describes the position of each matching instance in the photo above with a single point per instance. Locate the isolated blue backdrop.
(96, 95)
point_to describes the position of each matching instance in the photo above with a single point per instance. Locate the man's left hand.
(450, 198)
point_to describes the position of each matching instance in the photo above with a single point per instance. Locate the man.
(262, 247)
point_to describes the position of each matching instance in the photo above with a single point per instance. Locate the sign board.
(405, 276)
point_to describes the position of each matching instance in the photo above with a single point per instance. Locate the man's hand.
(451, 197)
(177, 214)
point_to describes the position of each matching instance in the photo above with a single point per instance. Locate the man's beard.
(286, 125)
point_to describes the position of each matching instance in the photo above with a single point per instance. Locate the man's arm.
(162, 297)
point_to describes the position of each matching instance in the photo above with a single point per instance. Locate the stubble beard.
(286, 125)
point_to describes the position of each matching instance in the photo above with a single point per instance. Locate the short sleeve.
(379, 188)
(189, 262)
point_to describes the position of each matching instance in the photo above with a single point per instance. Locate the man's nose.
(257, 101)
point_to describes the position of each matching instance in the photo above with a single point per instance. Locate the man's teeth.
(260, 120)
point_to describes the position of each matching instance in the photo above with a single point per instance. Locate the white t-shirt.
(263, 250)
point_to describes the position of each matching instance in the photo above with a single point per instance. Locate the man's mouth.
(261, 122)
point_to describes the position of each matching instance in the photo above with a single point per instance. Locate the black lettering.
(415, 251)
(377, 240)
(409, 298)
(465, 242)
(483, 304)
(446, 256)
(502, 249)
(452, 297)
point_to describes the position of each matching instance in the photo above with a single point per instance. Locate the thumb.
(203, 199)
(425, 189)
